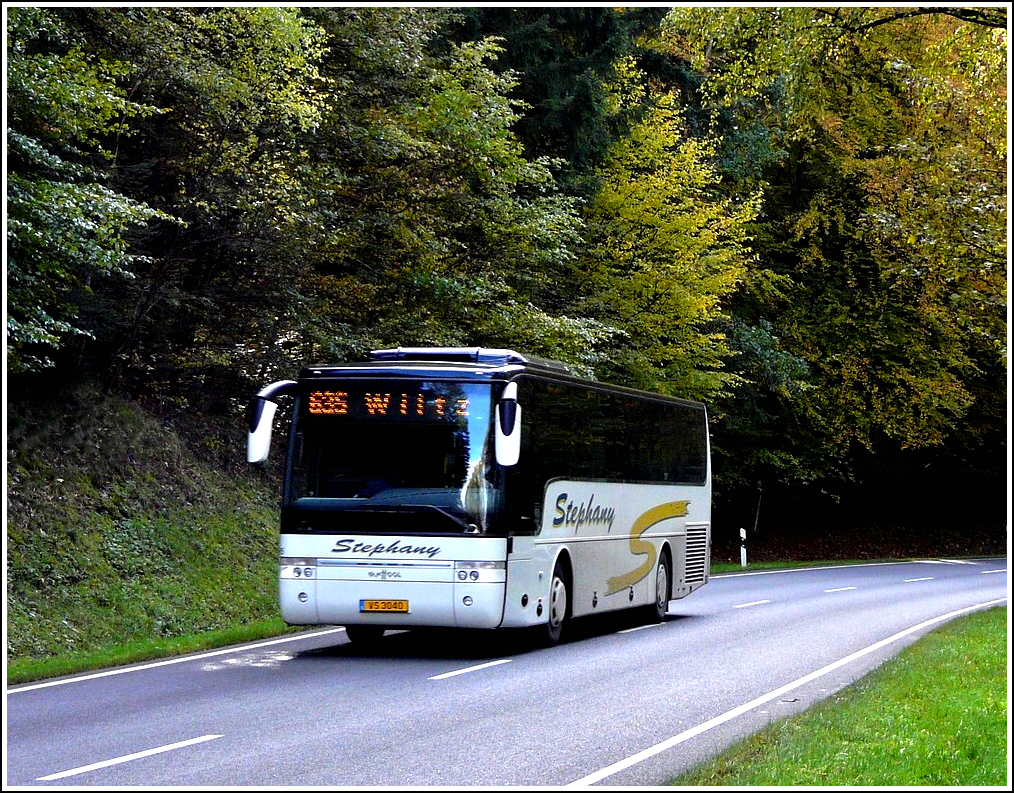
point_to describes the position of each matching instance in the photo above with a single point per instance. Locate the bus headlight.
(297, 567)
(480, 571)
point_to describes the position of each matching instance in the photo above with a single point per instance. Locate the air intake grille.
(697, 553)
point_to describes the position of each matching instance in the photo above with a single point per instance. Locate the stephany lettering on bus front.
(401, 549)
(395, 548)
(361, 548)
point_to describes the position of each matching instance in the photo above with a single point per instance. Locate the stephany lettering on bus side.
(580, 514)
(348, 545)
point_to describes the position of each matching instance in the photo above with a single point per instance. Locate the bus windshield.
(395, 444)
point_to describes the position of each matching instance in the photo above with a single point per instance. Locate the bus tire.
(663, 587)
(557, 608)
(364, 634)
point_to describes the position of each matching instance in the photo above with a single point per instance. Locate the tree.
(564, 60)
(67, 229)
(428, 224)
(883, 242)
(237, 90)
(888, 212)
(666, 249)
(341, 184)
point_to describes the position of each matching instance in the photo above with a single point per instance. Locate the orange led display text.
(386, 404)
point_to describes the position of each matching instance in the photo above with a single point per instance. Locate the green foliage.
(666, 250)
(752, 443)
(884, 220)
(422, 195)
(66, 230)
(237, 87)
(565, 59)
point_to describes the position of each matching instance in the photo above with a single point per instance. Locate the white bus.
(482, 488)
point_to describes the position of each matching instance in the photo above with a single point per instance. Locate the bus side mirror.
(259, 414)
(508, 426)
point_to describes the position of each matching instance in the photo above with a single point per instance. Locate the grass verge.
(754, 567)
(24, 670)
(935, 715)
(130, 536)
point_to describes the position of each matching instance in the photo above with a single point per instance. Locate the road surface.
(616, 703)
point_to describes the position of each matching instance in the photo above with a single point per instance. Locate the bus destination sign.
(387, 404)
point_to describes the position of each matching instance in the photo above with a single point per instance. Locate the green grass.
(730, 567)
(130, 536)
(935, 715)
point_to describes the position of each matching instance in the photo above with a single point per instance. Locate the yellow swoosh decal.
(638, 547)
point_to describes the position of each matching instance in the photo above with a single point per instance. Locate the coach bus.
(483, 488)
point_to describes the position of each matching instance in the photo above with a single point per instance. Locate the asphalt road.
(616, 703)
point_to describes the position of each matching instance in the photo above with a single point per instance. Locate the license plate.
(384, 605)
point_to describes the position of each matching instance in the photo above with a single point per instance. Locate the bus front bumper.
(452, 595)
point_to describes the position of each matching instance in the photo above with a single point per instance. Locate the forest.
(797, 215)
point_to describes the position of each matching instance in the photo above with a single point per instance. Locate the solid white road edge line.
(658, 748)
(127, 758)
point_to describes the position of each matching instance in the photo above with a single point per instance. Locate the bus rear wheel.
(552, 629)
(364, 634)
(663, 575)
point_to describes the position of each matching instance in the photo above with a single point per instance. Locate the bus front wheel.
(557, 608)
